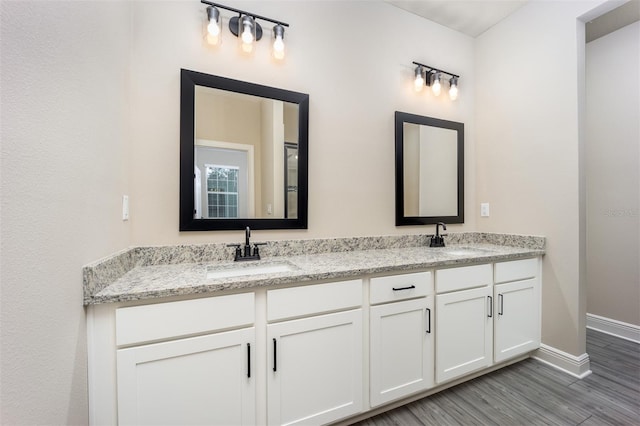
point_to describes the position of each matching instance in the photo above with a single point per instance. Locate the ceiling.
(471, 17)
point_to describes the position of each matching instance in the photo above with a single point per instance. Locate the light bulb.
(278, 43)
(419, 81)
(453, 89)
(247, 32)
(213, 28)
(247, 47)
(453, 93)
(247, 36)
(213, 39)
(436, 86)
(278, 54)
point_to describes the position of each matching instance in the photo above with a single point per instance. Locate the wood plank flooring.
(532, 393)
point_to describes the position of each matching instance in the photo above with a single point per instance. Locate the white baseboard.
(613, 327)
(577, 366)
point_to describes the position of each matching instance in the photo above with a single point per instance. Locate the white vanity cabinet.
(206, 379)
(517, 308)
(464, 323)
(401, 336)
(314, 356)
(485, 316)
(310, 354)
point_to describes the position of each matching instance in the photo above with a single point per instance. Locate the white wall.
(530, 71)
(352, 58)
(613, 180)
(90, 111)
(65, 160)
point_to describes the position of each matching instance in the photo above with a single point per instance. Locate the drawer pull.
(490, 306)
(275, 353)
(249, 360)
(403, 288)
(501, 311)
(428, 321)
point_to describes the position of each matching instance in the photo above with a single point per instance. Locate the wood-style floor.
(532, 393)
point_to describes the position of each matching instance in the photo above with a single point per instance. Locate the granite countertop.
(140, 281)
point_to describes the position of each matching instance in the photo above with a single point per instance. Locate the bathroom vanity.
(338, 333)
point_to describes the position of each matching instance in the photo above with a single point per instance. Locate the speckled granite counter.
(152, 272)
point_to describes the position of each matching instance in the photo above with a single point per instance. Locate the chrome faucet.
(247, 253)
(437, 240)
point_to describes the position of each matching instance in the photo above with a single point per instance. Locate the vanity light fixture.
(245, 27)
(433, 77)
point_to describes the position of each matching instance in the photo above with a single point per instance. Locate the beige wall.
(291, 122)
(356, 80)
(90, 111)
(613, 184)
(90, 94)
(226, 118)
(530, 71)
(66, 156)
(411, 168)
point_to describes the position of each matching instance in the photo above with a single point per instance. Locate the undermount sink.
(465, 251)
(246, 269)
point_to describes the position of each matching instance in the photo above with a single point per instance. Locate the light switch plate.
(125, 207)
(484, 209)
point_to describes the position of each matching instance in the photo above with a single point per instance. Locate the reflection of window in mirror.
(222, 191)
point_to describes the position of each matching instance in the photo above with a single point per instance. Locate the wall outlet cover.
(125, 207)
(484, 209)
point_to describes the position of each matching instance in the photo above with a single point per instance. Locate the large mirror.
(429, 170)
(243, 155)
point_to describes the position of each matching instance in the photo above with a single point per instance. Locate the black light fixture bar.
(244, 12)
(431, 69)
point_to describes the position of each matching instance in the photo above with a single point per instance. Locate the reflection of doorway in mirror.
(291, 180)
(217, 160)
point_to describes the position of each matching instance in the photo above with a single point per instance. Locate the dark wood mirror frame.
(188, 81)
(401, 219)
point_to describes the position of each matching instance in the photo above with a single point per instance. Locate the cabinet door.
(199, 380)
(401, 349)
(315, 369)
(517, 319)
(464, 338)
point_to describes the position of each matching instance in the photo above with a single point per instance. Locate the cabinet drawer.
(516, 270)
(313, 299)
(461, 278)
(173, 319)
(400, 287)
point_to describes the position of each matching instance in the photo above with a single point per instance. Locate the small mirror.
(243, 155)
(429, 170)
